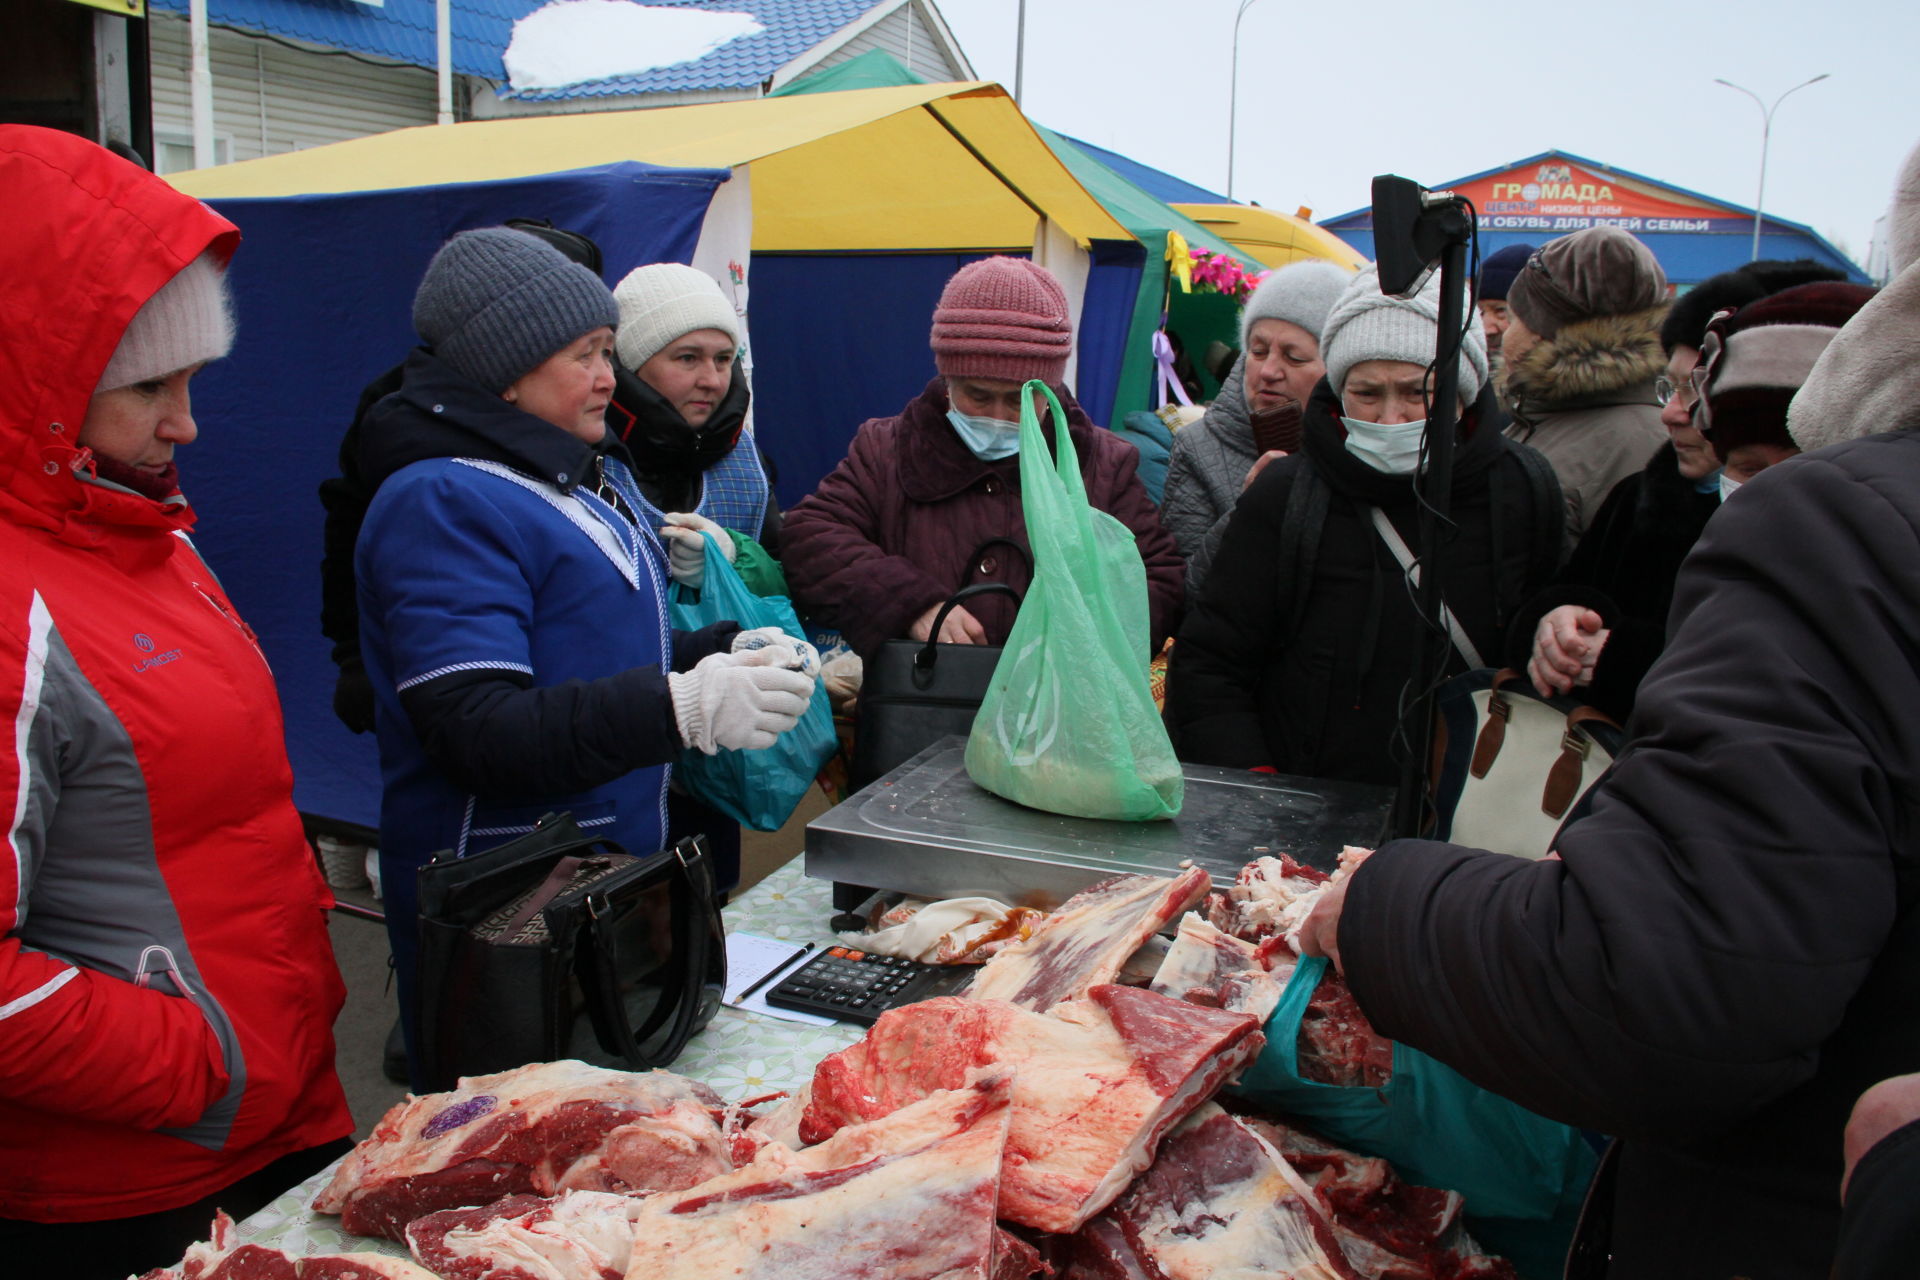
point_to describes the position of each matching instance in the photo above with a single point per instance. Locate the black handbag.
(559, 945)
(915, 692)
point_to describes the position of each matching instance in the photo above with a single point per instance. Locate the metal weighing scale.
(927, 829)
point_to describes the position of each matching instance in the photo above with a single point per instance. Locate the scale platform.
(929, 830)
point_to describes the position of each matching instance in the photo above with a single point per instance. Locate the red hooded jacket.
(167, 989)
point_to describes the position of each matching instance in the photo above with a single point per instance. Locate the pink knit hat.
(1002, 318)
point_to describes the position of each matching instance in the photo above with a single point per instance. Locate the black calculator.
(859, 986)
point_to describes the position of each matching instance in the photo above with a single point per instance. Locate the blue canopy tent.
(323, 285)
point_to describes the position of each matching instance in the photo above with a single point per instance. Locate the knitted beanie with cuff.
(1002, 318)
(497, 303)
(1300, 293)
(663, 301)
(1366, 324)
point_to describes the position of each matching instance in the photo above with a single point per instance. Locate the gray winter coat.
(1584, 398)
(1204, 475)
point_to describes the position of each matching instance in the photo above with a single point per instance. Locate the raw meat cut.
(547, 1128)
(1220, 1203)
(1337, 1044)
(1267, 905)
(1085, 942)
(1207, 967)
(951, 931)
(582, 1235)
(1096, 1082)
(1272, 896)
(223, 1257)
(1389, 1229)
(907, 1197)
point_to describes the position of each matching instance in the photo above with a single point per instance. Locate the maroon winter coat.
(895, 527)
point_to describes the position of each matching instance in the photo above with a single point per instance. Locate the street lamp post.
(1766, 133)
(1233, 91)
(1020, 56)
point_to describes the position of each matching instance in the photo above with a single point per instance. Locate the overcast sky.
(1331, 94)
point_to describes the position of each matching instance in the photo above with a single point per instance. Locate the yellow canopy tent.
(1275, 238)
(917, 167)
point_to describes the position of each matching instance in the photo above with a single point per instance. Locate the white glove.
(687, 551)
(806, 658)
(739, 701)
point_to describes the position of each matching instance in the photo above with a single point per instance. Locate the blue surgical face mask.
(1727, 485)
(988, 439)
(1392, 448)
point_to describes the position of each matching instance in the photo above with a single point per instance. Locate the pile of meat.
(1054, 1121)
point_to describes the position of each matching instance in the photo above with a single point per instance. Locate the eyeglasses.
(1665, 389)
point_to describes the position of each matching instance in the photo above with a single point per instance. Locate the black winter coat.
(1249, 685)
(1623, 569)
(1728, 952)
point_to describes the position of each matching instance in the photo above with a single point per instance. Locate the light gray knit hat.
(1300, 292)
(497, 302)
(663, 301)
(188, 321)
(1366, 324)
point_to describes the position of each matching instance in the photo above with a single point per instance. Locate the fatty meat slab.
(911, 1196)
(1096, 1083)
(582, 1235)
(544, 1129)
(1219, 1203)
(1085, 943)
(1390, 1229)
(1205, 966)
(223, 1257)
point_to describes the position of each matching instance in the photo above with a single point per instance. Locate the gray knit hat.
(1366, 324)
(187, 322)
(1300, 292)
(664, 301)
(496, 302)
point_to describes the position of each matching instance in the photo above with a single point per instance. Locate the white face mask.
(1727, 485)
(1393, 448)
(988, 439)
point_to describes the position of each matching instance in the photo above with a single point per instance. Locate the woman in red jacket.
(167, 990)
(924, 502)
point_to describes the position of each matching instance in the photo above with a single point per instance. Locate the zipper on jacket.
(238, 622)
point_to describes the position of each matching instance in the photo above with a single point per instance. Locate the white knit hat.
(662, 301)
(1301, 293)
(1366, 324)
(188, 322)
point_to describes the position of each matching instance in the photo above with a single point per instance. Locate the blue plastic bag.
(759, 789)
(1523, 1176)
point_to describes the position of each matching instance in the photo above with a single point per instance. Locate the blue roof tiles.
(403, 31)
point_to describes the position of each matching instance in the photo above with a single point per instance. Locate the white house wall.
(904, 34)
(269, 98)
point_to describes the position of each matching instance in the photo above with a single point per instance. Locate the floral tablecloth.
(739, 1054)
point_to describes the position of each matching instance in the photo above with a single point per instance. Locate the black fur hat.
(1686, 322)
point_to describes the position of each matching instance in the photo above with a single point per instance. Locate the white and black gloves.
(687, 550)
(808, 657)
(740, 701)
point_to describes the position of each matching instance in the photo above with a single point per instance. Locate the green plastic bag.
(1523, 1176)
(1068, 723)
